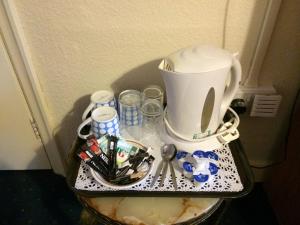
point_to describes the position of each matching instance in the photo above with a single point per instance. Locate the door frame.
(17, 49)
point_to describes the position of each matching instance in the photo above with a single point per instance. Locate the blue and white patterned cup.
(130, 116)
(100, 98)
(104, 120)
(130, 108)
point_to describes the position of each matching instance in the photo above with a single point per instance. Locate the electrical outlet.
(248, 93)
(265, 105)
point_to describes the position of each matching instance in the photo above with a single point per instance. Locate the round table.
(151, 210)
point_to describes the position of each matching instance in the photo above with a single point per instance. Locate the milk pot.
(200, 82)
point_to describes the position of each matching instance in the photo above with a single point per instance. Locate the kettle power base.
(234, 179)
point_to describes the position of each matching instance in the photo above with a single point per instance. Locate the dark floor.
(42, 198)
(251, 209)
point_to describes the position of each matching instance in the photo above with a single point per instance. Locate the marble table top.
(151, 210)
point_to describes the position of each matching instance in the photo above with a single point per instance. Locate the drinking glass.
(153, 92)
(152, 113)
(130, 113)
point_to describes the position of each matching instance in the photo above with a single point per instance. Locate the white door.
(20, 147)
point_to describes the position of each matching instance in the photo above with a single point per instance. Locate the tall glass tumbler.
(152, 112)
(130, 113)
(153, 92)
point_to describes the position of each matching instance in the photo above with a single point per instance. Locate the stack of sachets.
(115, 160)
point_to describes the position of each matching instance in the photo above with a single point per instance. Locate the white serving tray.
(226, 180)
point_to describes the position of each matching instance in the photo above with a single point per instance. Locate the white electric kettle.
(200, 82)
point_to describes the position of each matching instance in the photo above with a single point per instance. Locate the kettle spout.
(165, 65)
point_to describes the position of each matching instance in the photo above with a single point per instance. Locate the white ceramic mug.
(100, 98)
(104, 120)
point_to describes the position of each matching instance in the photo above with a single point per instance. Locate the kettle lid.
(197, 59)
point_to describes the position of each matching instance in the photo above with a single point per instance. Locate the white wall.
(77, 47)
(264, 138)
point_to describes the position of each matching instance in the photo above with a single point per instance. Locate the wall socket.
(248, 93)
(261, 101)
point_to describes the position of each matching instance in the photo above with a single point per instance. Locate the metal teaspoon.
(169, 151)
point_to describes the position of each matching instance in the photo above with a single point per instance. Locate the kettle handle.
(236, 73)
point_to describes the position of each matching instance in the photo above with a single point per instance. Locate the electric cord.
(225, 23)
(235, 123)
(267, 166)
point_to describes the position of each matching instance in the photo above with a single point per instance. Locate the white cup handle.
(236, 73)
(83, 124)
(87, 110)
